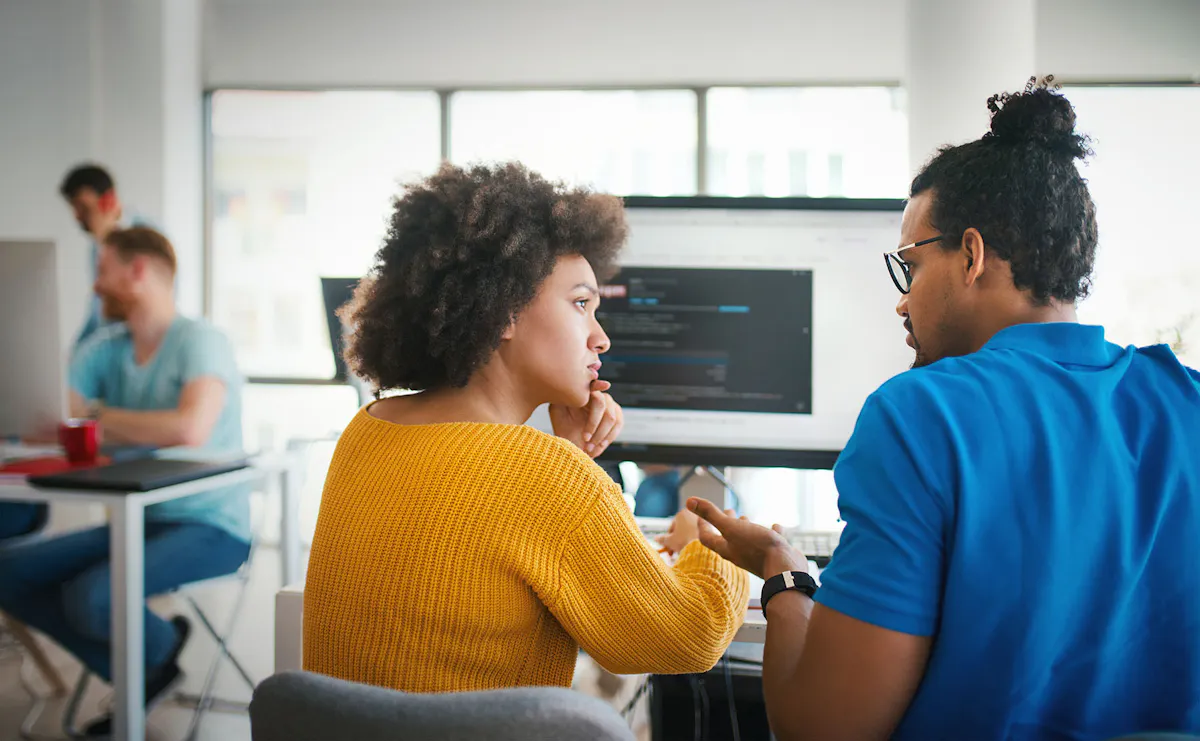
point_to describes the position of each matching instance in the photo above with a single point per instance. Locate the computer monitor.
(337, 292)
(750, 331)
(32, 390)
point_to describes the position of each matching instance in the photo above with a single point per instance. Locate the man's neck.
(148, 324)
(1055, 311)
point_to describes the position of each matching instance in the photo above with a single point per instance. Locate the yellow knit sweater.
(472, 556)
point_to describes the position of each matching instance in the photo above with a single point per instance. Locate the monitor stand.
(708, 482)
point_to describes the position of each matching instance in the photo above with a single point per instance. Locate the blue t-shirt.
(104, 369)
(1035, 507)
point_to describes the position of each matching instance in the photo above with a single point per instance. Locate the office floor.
(252, 642)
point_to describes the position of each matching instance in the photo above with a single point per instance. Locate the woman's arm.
(630, 611)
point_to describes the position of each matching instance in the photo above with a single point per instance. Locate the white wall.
(112, 81)
(567, 42)
(1119, 40)
(47, 128)
(549, 42)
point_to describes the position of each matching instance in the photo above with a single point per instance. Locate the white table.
(126, 549)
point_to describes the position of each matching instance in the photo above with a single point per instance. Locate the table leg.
(289, 485)
(126, 551)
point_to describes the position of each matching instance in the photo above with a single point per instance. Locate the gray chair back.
(301, 706)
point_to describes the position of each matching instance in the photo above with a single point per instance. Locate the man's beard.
(113, 309)
(919, 360)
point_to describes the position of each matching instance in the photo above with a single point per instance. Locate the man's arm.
(826, 675)
(190, 424)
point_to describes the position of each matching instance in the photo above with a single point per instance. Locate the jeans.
(20, 519)
(60, 585)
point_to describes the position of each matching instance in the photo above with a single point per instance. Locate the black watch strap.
(797, 580)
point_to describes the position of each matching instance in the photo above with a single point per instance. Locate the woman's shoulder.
(522, 449)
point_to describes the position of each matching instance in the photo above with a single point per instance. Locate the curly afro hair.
(466, 251)
(1020, 187)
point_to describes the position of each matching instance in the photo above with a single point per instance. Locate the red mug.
(80, 439)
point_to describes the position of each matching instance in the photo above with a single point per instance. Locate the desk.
(289, 628)
(126, 549)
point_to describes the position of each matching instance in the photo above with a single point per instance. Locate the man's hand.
(754, 548)
(593, 427)
(684, 529)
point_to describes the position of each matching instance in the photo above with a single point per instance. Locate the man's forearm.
(164, 429)
(787, 628)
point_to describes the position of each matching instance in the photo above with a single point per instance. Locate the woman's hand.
(592, 427)
(684, 529)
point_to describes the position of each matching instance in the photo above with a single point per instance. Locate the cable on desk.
(733, 719)
(629, 707)
(695, 683)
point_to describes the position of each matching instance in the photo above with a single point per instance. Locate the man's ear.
(139, 266)
(974, 255)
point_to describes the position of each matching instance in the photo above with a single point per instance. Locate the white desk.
(126, 550)
(289, 628)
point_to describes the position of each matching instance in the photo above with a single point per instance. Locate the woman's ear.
(510, 331)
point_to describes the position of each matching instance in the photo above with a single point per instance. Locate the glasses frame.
(893, 260)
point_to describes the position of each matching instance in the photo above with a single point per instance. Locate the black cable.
(641, 690)
(720, 477)
(695, 707)
(704, 708)
(733, 719)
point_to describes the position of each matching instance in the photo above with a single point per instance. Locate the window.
(849, 142)
(1147, 279)
(301, 185)
(302, 182)
(620, 141)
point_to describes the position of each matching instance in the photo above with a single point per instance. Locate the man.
(92, 195)
(155, 378)
(17, 519)
(1020, 557)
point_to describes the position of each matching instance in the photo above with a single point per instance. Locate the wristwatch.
(797, 580)
(94, 408)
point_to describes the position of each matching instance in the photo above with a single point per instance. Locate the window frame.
(700, 171)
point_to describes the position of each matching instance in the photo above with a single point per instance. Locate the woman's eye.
(582, 303)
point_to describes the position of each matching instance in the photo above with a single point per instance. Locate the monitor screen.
(749, 331)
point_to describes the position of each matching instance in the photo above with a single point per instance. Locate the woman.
(456, 548)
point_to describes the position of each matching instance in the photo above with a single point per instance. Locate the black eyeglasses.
(898, 269)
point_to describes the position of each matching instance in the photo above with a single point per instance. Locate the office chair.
(205, 700)
(301, 706)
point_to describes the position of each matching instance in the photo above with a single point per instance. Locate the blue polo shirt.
(1035, 507)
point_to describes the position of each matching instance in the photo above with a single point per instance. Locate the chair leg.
(34, 649)
(39, 707)
(205, 700)
(72, 710)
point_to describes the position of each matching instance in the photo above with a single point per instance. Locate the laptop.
(144, 474)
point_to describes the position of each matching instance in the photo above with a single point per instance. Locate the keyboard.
(652, 526)
(818, 545)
